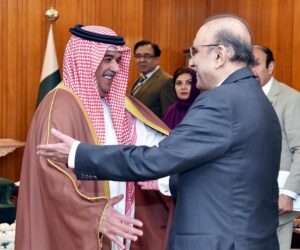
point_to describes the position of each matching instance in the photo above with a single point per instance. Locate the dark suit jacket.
(157, 92)
(226, 151)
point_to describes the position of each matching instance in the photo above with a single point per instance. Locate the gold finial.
(51, 14)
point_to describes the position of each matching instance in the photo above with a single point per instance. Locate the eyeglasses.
(145, 56)
(194, 50)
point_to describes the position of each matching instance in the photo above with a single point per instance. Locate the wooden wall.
(171, 23)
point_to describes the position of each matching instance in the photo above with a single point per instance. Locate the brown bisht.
(55, 210)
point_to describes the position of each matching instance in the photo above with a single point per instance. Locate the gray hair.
(242, 50)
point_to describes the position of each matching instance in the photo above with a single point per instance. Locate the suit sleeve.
(292, 131)
(204, 134)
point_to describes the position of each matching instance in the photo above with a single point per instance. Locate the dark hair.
(242, 49)
(154, 46)
(194, 92)
(268, 52)
(183, 70)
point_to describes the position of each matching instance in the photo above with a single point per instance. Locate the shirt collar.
(266, 88)
(149, 74)
(220, 83)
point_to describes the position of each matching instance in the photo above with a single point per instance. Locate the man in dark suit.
(224, 151)
(154, 86)
(286, 102)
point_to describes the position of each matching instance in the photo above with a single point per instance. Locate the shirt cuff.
(289, 193)
(163, 185)
(71, 158)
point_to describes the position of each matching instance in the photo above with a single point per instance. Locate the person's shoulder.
(215, 97)
(59, 102)
(287, 95)
(65, 96)
(239, 85)
(61, 99)
(211, 104)
(284, 88)
(57, 93)
(229, 95)
(163, 74)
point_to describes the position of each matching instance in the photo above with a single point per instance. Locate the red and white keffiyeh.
(81, 60)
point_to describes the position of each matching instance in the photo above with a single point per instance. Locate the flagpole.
(50, 75)
(51, 15)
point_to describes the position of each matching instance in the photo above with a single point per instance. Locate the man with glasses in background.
(226, 150)
(154, 86)
(154, 89)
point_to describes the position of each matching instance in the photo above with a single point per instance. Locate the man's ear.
(221, 54)
(271, 67)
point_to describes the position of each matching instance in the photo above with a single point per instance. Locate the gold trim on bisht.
(96, 141)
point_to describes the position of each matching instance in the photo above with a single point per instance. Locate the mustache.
(109, 73)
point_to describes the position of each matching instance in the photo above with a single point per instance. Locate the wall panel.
(296, 47)
(170, 23)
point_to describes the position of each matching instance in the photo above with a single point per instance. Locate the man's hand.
(58, 152)
(114, 224)
(148, 185)
(285, 204)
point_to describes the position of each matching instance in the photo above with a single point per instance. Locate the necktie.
(138, 85)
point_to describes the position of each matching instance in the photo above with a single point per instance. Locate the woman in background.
(184, 83)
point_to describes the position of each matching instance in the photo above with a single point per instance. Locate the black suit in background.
(226, 151)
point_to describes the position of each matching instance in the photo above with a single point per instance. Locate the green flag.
(50, 73)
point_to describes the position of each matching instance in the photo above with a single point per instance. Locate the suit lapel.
(148, 84)
(274, 92)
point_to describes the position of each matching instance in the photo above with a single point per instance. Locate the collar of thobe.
(266, 88)
(116, 188)
(110, 133)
